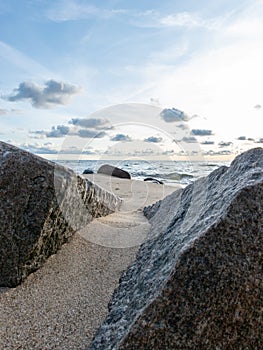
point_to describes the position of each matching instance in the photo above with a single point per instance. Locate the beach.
(61, 305)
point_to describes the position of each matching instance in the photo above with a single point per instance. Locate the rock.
(153, 180)
(42, 205)
(197, 280)
(88, 171)
(113, 171)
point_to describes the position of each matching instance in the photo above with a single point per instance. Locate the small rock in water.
(88, 171)
(153, 180)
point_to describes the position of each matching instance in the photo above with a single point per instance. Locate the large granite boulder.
(110, 170)
(41, 206)
(197, 282)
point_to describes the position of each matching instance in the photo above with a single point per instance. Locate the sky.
(156, 79)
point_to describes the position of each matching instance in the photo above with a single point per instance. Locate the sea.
(169, 172)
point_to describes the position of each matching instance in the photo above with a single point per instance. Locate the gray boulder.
(197, 280)
(41, 206)
(113, 171)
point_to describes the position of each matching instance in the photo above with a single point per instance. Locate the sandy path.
(61, 305)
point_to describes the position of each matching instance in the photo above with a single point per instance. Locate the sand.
(61, 305)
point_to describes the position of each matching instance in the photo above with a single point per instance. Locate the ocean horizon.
(169, 172)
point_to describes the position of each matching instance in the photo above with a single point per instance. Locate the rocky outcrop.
(42, 205)
(197, 280)
(113, 171)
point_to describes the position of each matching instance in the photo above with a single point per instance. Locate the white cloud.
(3, 111)
(22, 61)
(221, 81)
(72, 10)
(186, 19)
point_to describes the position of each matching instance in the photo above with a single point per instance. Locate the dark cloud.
(153, 139)
(257, 106)
(225, 144)
(51, 94)
(121, 137)
(251, 139)
(201, 132)
(170, 115)
(208, 142)
(189, 139)
(58, 131)
(91, 134)
(242, 138)
(90, 123)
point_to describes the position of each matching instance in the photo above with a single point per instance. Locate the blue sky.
(119, 64)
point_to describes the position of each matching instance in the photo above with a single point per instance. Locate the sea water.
(169, 172)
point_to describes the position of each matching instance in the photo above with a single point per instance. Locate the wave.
(177, 176)
(169, 176)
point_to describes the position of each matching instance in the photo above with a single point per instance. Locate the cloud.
(224, 152)
(242, 138)
(95, 123)
(170, 115)
(70, 10)
(50, 95)
(225, 144)
(182, 126)
(75, 150)
(259, 140)
(121, 137)
(207, 143)
(189, 139)
(187, 20)
(201, 132)
(153, 139)
(58, 131)
(21, 61)
(8, 111)
(91, 134)
(257, 106)
(49, 148)
(39, 149)
(3, 111)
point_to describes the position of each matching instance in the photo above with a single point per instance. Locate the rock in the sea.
(41, 206)
(197, 282)
(113, 171)
(88, 171)
(153, 180)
